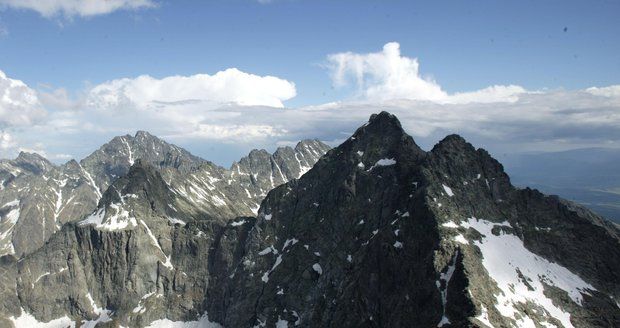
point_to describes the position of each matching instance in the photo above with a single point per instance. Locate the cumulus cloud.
(19, 104)
(387, 75)
(610, 91)
(197, 107)
(228, 86)
(82, 8)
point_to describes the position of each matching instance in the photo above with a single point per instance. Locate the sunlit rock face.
(373, 233)
(38, 197)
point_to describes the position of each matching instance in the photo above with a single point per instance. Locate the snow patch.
(385, 162)
(460, 239)
(520, 274)
(27, 320)
(448, 190)
(289, 242)
(203, 322)
(442, 285)
(167, 263)
(103, 315)
(265, 277)
(484, 316)
(268, 250)
(281, 323)
(118, 221)
(450, 224)
(238, 223)
(317, 267)
(175, 221)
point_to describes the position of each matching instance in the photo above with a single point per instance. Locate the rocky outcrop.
(378, 233)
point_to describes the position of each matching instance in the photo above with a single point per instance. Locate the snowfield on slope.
(505, 258)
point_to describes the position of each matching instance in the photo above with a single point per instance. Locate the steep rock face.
(378, 228)
(538, 253)
(223, 194)
(134, 251)
(338, 247)
(48, 196)
(260, 171)
(377, 234)
(38, 203)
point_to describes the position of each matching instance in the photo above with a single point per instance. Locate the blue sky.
(555, 47)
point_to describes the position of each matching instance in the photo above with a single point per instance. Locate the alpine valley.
(373, 233)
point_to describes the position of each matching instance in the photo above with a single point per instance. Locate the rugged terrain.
(378, 233)
(39, 197)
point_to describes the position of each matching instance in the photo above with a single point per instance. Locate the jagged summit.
(455, 142)
(141, 180)
(30, 157)
(114, 158)
(33, 162)
(49, 198)
(141, 134)
(380, 142)
(141, 195)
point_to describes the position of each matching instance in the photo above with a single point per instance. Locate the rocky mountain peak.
(144, 135)
(143, 181)
(33, 162)
(113, 159)
(454, 142)
(139, 196)
(380, 142)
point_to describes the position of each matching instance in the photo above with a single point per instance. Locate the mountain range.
(373, 233)
(39, 197)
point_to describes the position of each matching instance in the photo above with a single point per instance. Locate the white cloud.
(71, 8)
(19, 104)
(6, 141)
(228, 132)
(387, 75)
(610, 91)
(234, 107)
(384, 75)
(543, 121)
(229, 86)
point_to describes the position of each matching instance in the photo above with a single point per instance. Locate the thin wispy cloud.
(79, 8)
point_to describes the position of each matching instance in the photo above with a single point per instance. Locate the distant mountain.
(588, 176)
(38, 197)
(378, 233)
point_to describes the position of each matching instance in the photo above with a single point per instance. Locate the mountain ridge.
(377, 233)
(50, 195)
